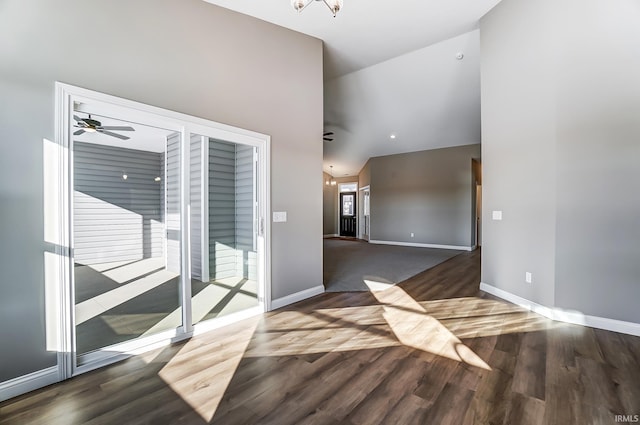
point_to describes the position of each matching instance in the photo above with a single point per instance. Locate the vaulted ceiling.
(390, 68)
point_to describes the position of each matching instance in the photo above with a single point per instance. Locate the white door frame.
(60, 304)
(363, 220)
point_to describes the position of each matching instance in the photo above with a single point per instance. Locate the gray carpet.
(347, 264)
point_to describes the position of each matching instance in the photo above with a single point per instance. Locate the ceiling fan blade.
(117, 127)
(108, 133)
(77, 118)
(78, 132)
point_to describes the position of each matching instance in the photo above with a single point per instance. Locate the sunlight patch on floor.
(377, 284)
(205, 301)
(415, 328)
(131, 324)
(204, 391)
(104, 302)
(124, 272)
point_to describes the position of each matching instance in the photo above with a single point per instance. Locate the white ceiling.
(368, 32)
(427, 98)
(390, 67)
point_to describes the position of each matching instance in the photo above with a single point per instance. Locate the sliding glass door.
(224, 233)
(166, 220)
(126, 232)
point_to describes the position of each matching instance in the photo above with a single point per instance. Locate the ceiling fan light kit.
(333, 5)
(88, 125)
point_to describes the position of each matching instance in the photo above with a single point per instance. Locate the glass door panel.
(126, 232)
(223, 228)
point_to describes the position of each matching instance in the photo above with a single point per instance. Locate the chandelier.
(332, 181)
(333, 5)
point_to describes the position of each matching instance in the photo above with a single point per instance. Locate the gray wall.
(518, 148)
(560, 102)
(116, 219)
(428, 193)
(329, 206)
(364, 176)
(598, 152)
(187, 56)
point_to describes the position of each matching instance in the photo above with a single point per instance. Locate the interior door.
(348, 214)
(366, 215)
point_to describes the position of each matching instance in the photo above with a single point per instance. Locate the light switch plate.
(279, 216)
(496, 215)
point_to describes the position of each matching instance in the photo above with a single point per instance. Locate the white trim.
(167, 119)
(63, 236)
(264, 187)
(298, 296)
(25, 383)
(423, 245)
(204, 208)
(219, 322)
(515, 299)
(117, 352)
(614, 325)
(185, 228)
(560, 315)
(331, 235)
(346, 184)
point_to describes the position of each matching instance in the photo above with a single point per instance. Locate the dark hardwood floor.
(432, 350)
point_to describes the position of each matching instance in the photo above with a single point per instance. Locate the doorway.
(348, 216)
(478, 214)
(166, 227)
(365, 213)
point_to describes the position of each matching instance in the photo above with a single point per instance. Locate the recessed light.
(157, 179)
(393, 136)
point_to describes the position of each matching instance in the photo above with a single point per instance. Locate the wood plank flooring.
(434, 350)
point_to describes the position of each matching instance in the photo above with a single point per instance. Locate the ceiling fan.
(88, 125)
(326, 136)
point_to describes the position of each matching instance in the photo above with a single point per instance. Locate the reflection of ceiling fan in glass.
(88, 125)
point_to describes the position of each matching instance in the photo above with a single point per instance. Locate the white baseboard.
(209, 325)
(607, 324)
(560, 315)
(422, 245)
(298, 296)
(32, 381)
(334, 235)
(515, 299)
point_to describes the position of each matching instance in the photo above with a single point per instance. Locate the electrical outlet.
(528, 277)
(412, 235)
